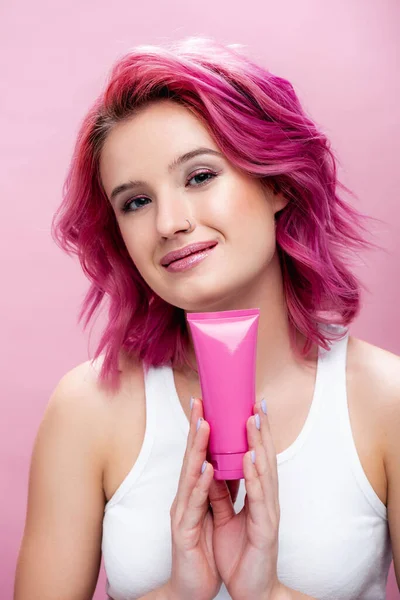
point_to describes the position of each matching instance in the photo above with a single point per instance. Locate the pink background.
(341, 57)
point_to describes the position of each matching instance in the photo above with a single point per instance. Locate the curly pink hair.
(256, 119)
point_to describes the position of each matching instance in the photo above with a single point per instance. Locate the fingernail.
(253, 456)
(199, 422)
(257, 420)
(204, 466)
(191, 402)
(264, 406)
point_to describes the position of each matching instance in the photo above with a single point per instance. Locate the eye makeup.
(207, 173)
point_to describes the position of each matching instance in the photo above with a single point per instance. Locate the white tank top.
(333, 535)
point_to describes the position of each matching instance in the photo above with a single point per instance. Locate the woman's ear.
(279, 201)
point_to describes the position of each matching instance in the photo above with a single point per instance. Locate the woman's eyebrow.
(129, 185)
(188, 155)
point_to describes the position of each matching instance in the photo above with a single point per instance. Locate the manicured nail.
(199, 423)
(253, 456)
(257, 420)
(191, 402)
(204, 466)
(264, 406)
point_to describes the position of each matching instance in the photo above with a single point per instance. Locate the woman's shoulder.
(81, 385)
(373, 376)
(377, 367)
(81, 397)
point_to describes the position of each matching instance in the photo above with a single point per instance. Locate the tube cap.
(228, 466)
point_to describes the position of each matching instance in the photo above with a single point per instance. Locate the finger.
(267, 441)
(198, 502)
(262, 466)
(266, 434)
(266, 463)
(195, 456)
(195, 414)
(221, 502)
(254, 493)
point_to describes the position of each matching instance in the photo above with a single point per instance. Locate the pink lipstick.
(187, 257)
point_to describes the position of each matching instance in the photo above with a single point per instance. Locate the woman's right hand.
(194, 573)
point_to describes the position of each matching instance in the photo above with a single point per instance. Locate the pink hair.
(256, 119)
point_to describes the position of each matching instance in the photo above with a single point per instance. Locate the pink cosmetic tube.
(225, 345)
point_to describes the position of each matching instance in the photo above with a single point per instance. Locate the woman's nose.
(174, 219)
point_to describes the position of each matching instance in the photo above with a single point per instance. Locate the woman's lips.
(190, 261)
(186, 251)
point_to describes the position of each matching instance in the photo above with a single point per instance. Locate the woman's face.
(228, 209)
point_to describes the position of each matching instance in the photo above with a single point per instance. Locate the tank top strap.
(331, 378)
(333, 366)
(334, 421)
(153, 394)
(346, 433)
(165, 413)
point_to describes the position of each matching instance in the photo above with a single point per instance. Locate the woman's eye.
(134, 204)
(204, 176)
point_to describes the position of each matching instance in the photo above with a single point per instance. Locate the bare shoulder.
(81, 394)
(109, 425)
(375, 369)
(374, 377)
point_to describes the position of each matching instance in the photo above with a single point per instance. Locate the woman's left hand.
(246, 544)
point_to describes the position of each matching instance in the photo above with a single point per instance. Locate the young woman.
(198, 183)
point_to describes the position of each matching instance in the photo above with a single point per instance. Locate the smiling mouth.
(190, 250)
(189, 255)
(188, 261)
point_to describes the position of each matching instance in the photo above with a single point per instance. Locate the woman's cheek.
(138, 251)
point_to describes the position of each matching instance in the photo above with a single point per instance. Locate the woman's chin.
(211, 303)
(208, 297)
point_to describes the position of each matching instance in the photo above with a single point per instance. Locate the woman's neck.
(275, 357)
